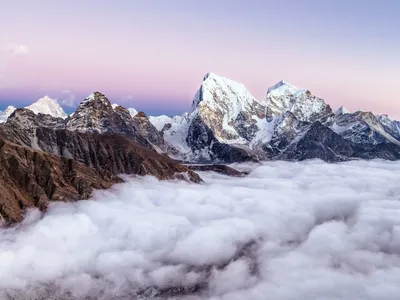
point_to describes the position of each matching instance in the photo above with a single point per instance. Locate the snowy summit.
(48, 106)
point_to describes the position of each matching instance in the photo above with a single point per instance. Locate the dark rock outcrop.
(148, 131)
(222, 169)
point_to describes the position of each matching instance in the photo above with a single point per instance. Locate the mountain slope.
(42, 161)
(284, 97)
(363, 128)
(391, 126)
(96, 114)
(227, 119)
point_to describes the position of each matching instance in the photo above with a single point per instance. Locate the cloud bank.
(305, 230)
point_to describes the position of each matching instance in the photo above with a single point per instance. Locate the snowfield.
(287, 231)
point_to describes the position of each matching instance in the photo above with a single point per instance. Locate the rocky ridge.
(227, 124)
(44, 158)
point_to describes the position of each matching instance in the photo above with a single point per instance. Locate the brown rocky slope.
(39, 164)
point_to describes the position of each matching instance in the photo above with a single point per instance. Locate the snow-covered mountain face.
(284, 97)
(228, 109)
(5, 114)
(228, 124)
(48, 106)
(391, 126)
(342, 111)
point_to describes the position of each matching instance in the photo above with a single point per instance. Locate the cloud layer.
(287, 231)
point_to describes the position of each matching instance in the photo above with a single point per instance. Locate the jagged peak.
(9, 110)
(214, 82)
(140, 114)
(342, 111)
(284, 87)
(95, 97)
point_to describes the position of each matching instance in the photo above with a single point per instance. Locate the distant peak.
(342, 111)
(283, 86)
(9, 110)
(48, 106)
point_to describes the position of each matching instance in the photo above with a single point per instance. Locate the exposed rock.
(362, 128)
(148, 130)
(222, 169)
(323, 143)
(319, 142)
(390, 126)
(41, 164)
(95, 114)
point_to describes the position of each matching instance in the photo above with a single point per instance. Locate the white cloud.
(287, 231)
(67, 98)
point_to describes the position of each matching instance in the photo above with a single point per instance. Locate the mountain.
(96, 114)
(342, 111)
(227, 124)
(391, 126)
(4, 115)
(131, 110)
(284, 97)
(48, 106)
(225, 118)
(44, 158)
(362, 128)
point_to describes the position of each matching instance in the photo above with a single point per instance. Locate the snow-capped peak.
(48, 106)
(91, 97)
(285, 97)
(283, 88)
(9, 110)
(115, 105)
(133, 112)
(342, 111)
(215, 88)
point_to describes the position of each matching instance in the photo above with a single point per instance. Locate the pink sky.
(150, 55)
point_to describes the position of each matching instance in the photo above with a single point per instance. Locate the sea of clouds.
(306, 230)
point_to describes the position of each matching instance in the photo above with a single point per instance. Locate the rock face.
(363, 128)
(392, 127)
(146, 129)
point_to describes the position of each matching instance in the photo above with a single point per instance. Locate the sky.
(153, 54)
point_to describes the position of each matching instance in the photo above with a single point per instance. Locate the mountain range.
(46, 155)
